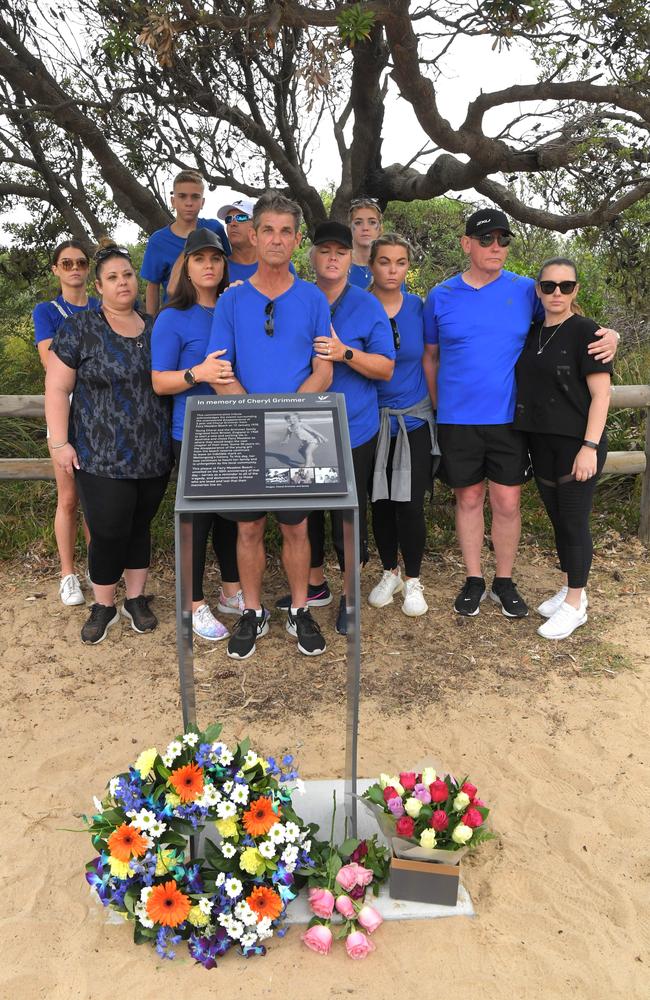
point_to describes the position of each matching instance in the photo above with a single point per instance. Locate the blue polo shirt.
(164, 248)
(270, 364)
(47, 318)
(408, 384)
(240, 272)
(362, 324)
(178, 342)
(481, 333)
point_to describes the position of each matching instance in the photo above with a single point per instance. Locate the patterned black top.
(118, 426)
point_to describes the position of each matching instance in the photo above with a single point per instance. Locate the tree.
(243, 90)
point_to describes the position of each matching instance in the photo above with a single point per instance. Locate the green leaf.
(114, 816)
(376, 795)
(175, 839)
(183, 826)
(212, 733)
(244, 747)
(213, 855)
(348, 847)
(130, 899)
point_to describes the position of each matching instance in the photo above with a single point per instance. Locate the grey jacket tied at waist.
(400, 487)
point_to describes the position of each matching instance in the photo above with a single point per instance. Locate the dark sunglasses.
(269, 325)
(107, 252)
(67, 265)
(240, 217)
(397, 340)
(487, 239)
(566, 287)
(362, 201)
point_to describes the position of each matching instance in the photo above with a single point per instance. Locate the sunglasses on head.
(239, 217)
(487, 239)
(67, 265)
(107, 252)
(363, 201)
(269, 324)
(397, 340)
(566, 287)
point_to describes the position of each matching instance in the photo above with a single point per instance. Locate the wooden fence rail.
(619, 463)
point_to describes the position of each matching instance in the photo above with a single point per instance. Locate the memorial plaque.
(266, 446)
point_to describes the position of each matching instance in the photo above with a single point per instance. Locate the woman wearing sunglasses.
(114, 440)
(562, 403)
(404, 462)
(181, 369)
(70, 265)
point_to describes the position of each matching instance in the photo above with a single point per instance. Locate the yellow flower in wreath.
(227, 827)
(252, 861)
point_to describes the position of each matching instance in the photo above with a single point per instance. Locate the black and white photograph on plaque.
(328, 474)
(275, 477)
(300, 440)
(302, 476)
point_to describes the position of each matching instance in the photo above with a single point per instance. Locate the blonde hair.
(189, 177)
(358, 203)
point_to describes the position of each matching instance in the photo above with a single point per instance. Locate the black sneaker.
(247, 631)
(303, 626)
(506, 594)
(137, 610)
(101, 618)
(342, 617)
(318, 596)
(473, 592)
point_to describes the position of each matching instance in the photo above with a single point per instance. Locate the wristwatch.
(190, 377)
(348, 355)
(590, 444)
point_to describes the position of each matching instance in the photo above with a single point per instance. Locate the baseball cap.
(486, 220)
(202, 239)
(234, 207)
(333, 232)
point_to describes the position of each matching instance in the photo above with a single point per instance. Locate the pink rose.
(405, 826)
(368, 916)
(422, 793)
(321, 902)
(438, 791)
(347, 876)
(407, 779)
(364, 875)
(469, 789)
(439, 821)
(396, 806)
(390, 793)
(319, 939)
(472, 818)
(478, 802)
(345, 907)
(357, 945)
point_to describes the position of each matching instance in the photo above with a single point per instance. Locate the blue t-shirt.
(263, 363)
(408, 384)
(481, 333)
(47, 318)
(164, 248)
(362, 324)
(178, 342)
(240, 272)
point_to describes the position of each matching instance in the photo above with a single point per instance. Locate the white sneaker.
(70, 591)
(548, 608)
(381, 595)
(565, 621)
(231, 605)
(206, 626)
(414, 602)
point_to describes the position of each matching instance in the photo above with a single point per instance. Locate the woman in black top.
(562, 402)
(114, 438)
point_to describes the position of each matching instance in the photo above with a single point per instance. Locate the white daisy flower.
(143, 916)
(145, 893)
(112, 786)
(244, 913)
(240, 794)
(225, 757)
(291, 832)
(248, 940)
(228, 849)
(267, 849)
(300, 786)
(291, 866)
(250, 760)
(264, 929)
(220, 879)
(228, 786)
(143, 819)
(167, 760)
(174, 749)
(190, 739)
(233, 887)
(306, 846)
(157, 828)
(226, 809)
(290, 855)
(205, 906)
(97, 804)
(276, 833)
(235, 929)
(223, 919)
(148, 842)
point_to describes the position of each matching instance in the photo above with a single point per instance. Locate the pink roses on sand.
(321, 902)
(353, 875)
(319, 939)
(357, 945)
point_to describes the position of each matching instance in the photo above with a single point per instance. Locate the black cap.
(333, 232)
(203, 239)
(486, 221)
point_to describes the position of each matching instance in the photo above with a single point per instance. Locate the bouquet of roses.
(237, 894)
(433, 812)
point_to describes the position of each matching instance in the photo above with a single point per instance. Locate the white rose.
(395, 782)
(384, 781)
(428, 776)
(428, 838)
(413, 807)
(461, 802)
(462, 834)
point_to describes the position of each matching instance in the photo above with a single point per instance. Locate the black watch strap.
(590, 444)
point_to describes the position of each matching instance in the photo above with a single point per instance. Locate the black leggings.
(363, 457)
(568, 502)
(118, 513)
(401, 523)
(224, 543)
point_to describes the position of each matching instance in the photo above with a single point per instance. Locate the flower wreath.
(239, 891)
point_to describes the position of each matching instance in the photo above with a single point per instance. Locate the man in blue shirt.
(238, 217)
(267, 326)
(475, 328)
(165, 246)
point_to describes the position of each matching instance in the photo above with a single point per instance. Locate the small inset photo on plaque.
(299, 440)
(277, 477)
(326, 474)
(302, 477)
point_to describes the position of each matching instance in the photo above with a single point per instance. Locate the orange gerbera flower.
(260, 817)
(126, 842)
(188, 782)
(265, 902)
(167, 905)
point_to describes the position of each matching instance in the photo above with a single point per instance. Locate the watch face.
(348, 355)
(189, 377)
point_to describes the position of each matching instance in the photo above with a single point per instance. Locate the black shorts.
(283, 516)
(474, 452)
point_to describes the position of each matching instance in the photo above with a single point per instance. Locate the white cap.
(233, 207)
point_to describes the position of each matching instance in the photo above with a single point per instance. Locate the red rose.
(407, 778)
(390, 793)
(478, 802)
(405, 826)
(438, 791)
(469, 789)
(472, 818)
(439, 821)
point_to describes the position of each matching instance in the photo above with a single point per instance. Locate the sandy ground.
(556, 738)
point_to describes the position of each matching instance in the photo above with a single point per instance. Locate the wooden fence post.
(644, 507)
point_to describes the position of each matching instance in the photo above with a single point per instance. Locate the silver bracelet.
(53, 447)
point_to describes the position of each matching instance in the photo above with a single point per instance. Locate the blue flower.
(205, 949)
(287, 759)
(164, 941)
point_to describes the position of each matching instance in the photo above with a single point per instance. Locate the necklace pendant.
(541, 350)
